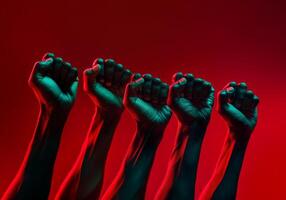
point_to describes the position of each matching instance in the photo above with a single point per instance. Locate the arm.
(131, 181)
(192, 101)
(145, 99)
(33, 180)
(104, 83)
(237, 105)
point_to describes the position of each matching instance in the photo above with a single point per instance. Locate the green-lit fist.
(105, 83)
(54, 82)
(145, 98)
(238, 106)
(191, 99)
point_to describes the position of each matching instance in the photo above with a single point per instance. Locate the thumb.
(176, 89)
(89, 76)
(210, 99)
(225, 95)
(73, 88)
(40, 69)
(132, 89)
(222, 97)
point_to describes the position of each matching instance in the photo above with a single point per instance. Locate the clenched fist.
(238, 106)
(54, 82)
(146, 99)
(191, 99)
(105, 83)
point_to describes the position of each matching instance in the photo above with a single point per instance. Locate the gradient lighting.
(219, 41)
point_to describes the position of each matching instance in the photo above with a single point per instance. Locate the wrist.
(151, 127)
(54, 105)
(196, 130)
(194, 122)
(240, 136)
(150, 133)
(54, 112)
(110, 116)
(50, 124)
(102, 125)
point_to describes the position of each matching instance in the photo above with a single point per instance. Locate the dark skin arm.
(192, 100)
(238, 106)
(104, 83)
(55, 84)
(145, 98)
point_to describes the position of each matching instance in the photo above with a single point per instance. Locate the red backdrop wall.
(216, 40)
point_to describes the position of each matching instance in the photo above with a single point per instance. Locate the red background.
(216, 40)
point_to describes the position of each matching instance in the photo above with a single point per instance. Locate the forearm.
(131, 181)
(86, 178)
(33, 180)
(179, 182)
(223, 184)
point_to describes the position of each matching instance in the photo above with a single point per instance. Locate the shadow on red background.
(216, 40)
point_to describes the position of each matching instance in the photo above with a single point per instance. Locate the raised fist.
(146, 98)
(105, 83)
(54, 82)
(191, 98)
(238, 106)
